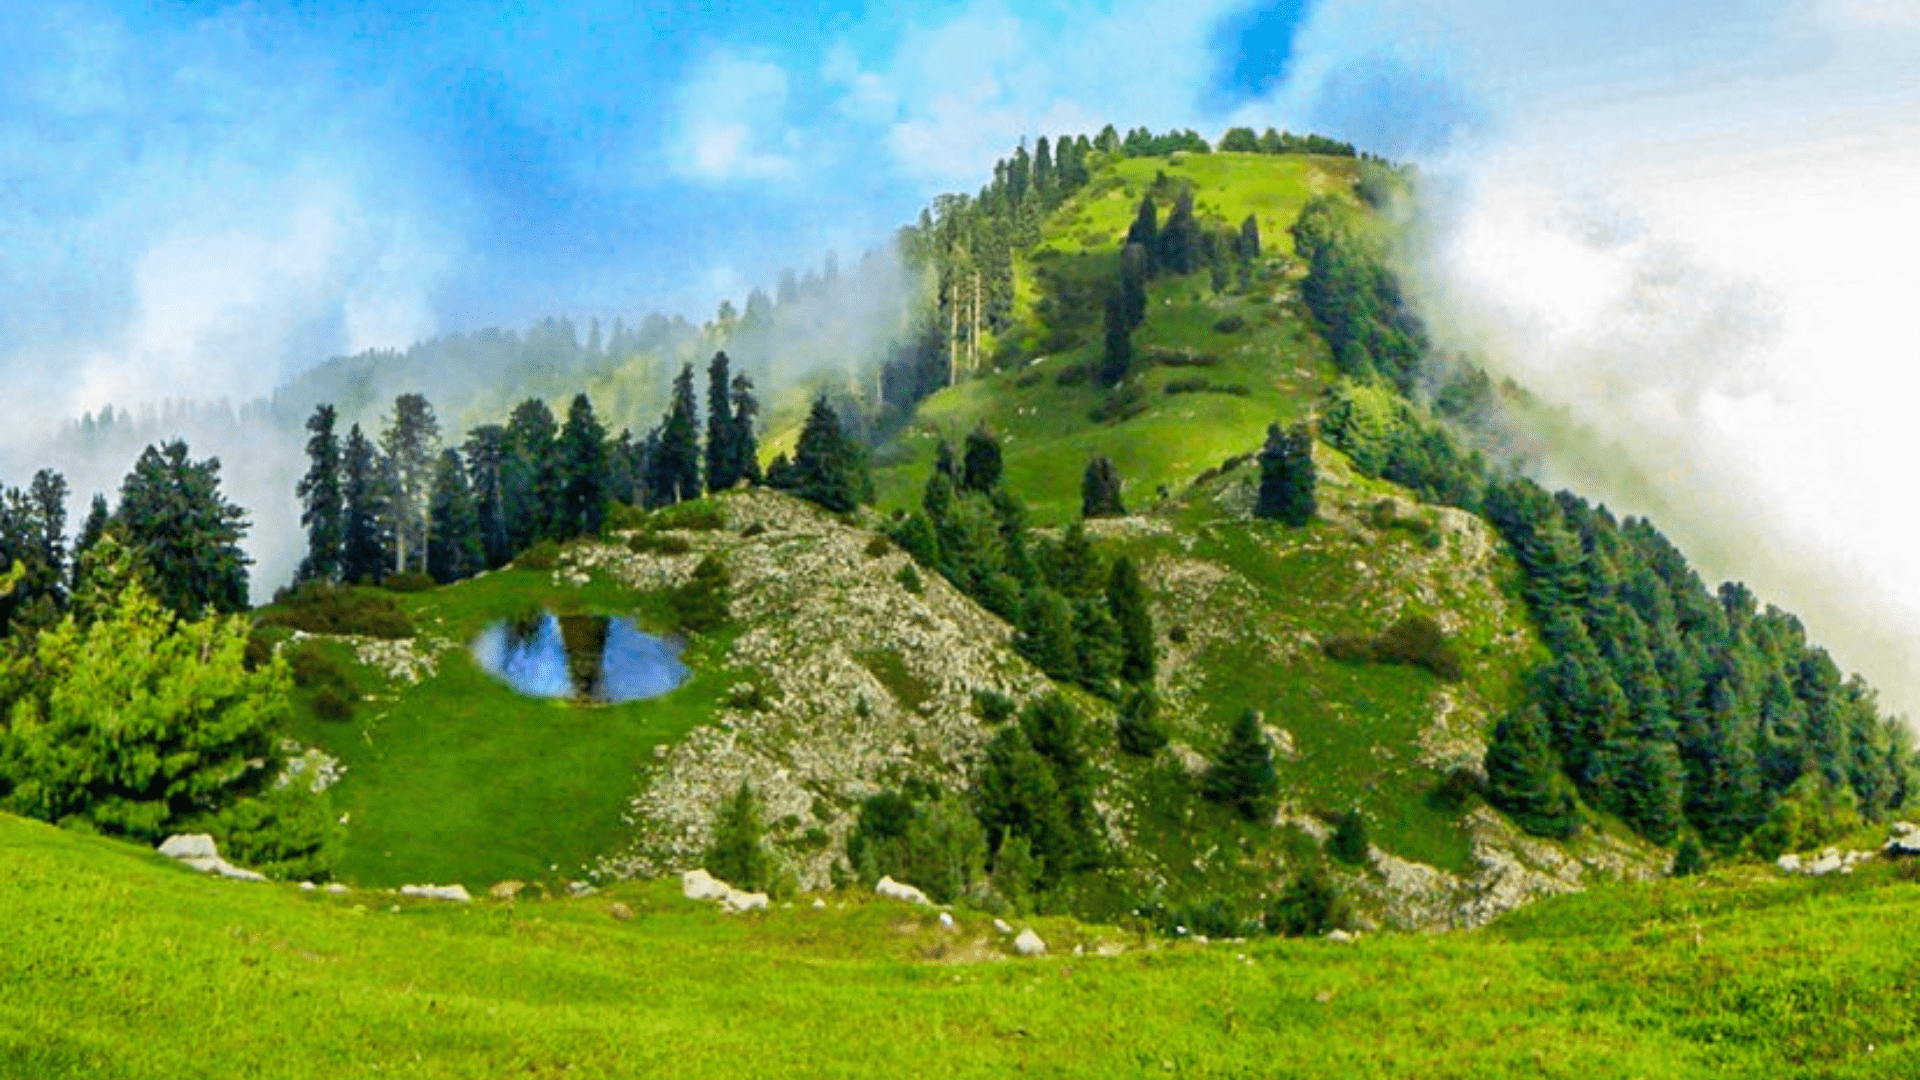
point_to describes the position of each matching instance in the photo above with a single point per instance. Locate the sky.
(1687, 222)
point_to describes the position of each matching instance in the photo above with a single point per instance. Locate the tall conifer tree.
(323, 503)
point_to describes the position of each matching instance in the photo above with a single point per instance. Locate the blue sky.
(1689, 220)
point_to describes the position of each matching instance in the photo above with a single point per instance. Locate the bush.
(409, 581)
(937, 846)
(656, 544)
(758, 528)
(1138, 729)
(993, 706)
(1232, 324)
(1309, 906)
(1415, 640)
(622, 516)
(739, 854)
(312, 667)
(701, 605)
(700, 515)
(1350, 842)
(288, 832)
(320, 608)
(1689, 860)
(878, 546)
(1074, 375)
(544, 555)
(1127, 401)
(331, 704)
(1454, 791)
(259, 652)
(1177, 634)
(909, 579)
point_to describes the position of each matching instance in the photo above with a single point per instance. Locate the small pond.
(584, 657)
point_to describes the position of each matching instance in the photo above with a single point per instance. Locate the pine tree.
(723, 455)
(1242, 776)
(91, 530)
(411, 443)
(486, 454)
(1179, 240)
(455, 550)
(746, 448)
(1145, 231)
(185, 531)
(739, 854)
(1524, 777)
(362, 549)
(1046, 635)
(1350, 843)
(323, 507)
(674, 471)
(981, 467)
(1287, 476)
(582, 453)
(1100, 489)
(1116, 354)
(1138, 728)
(1128, 602)
(530, 474)
(828, 469)
(1133, 285)
(1248, 246)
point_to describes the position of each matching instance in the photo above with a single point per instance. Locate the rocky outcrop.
(858, 678)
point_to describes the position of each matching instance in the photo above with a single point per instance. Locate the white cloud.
(732, 122)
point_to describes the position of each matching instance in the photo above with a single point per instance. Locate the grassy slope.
(460, 779)
(1046, 429)
(119, 966)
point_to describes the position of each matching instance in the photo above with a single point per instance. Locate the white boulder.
(1788, 863)
(189, 846)
(1903, 844)
(1029, 944)
(700, 885)
(1340, 937)
(896, 890)
(1827, 863)
(453, 893)
(1001, 925)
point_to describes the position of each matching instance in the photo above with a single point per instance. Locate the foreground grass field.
(117, 965)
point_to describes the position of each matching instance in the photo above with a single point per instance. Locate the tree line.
(1686, 712)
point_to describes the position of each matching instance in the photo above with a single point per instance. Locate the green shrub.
(878, 546)
(259, 652)
(1138, 729)
(701, 605)
(288, 832)
(1350, 842)
(937, 845)
(1415, 640)
(756, 529)
(1455, 791)
(909, 579)
(622, 516)
(409, 581)
(1231, 324)
(331, 704)
(320, 608)
(699, 515)
(1127, 401)
(544, 555)
(657, 544)
(1689, 860)
(312, 667)
(739, 853)
(1177, 634)
(1309, 906)
(993, 706)
(1074, 375)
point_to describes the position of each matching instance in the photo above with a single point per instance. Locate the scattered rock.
(619, 912)
(334, 888)
(1340, 937)
(1788, 863)
(452, 893)
(946, 921)
(1903, 844)
(897, 890)
(506, 890)
(1001, 925)
(1904, 828)
(580, 888)
(307, 886)
(1029, 944)
(818, 904)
